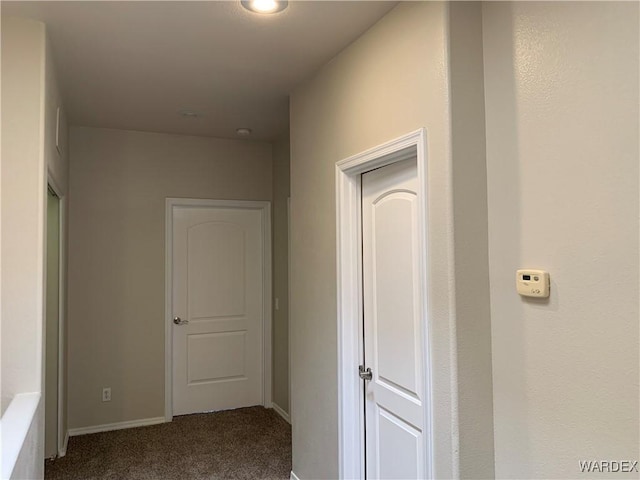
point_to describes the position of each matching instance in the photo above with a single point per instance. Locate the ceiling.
(137, 65)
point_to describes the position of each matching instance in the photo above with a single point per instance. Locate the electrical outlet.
(106, 394)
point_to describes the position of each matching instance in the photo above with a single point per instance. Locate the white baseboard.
(281, 412)
(62, 451)
(294, 476)
(144, 422)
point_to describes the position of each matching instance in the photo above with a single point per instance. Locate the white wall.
(23, 193)
(28, 89)
(562, 151)
(22, 217)
(391, 81)
(57, 163)
(118, 184)
(469, 185)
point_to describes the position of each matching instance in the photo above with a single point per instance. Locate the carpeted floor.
(248, 443)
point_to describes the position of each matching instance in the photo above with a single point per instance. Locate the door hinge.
(365, 374)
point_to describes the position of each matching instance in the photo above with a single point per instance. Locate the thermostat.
(532, 283)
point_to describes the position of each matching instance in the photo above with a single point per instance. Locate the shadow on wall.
(503, 197)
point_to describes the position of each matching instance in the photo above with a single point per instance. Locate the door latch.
(365, 374)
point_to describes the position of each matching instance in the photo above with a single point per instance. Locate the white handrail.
(14, 428)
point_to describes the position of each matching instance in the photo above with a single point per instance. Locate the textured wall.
(469, 177)
(562, 152)
(391, 81)
(118, 184)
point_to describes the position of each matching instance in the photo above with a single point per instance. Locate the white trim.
(280, 411)
(65, 443)
(294, 476)
(267, 279)
(351, 439)
(108, 427)
(52, 182)
(265, 208)
(59, 148)
(41, 254)
(168, 309)
(350, 349)
(62, 312)
(62, 296)
(289, 306)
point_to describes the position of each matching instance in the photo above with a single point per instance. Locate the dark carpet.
(248, 443)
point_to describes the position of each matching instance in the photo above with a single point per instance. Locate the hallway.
(400, 331)
(248, 443)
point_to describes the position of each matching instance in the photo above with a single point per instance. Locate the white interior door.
(393, 327)
(218, 264)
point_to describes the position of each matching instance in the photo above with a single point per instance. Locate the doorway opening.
(55, 438)
(357, 384)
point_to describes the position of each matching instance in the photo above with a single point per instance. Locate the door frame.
(351, 401)
(264, 207)
(61, 435)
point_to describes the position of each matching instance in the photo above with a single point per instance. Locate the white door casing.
(394, 398)
(218, 284)
(62, 435)
(351, 398)
(52, 327)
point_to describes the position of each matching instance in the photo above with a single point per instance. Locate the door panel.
(216, 356)
(400, 447)
(218, 289)
(394, 409)
(208, 297)
(393, 296)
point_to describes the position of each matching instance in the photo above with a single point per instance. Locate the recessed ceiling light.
(265, 6)
(243, 132)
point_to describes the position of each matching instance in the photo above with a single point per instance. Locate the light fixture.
(243, 132)
(265, 6)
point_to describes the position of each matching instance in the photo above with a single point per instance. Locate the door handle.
(365, 374)
(179, 321)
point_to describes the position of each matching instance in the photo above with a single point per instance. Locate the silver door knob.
(179, 321)
(365, 374)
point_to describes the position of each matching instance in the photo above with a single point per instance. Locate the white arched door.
(219, 304)
(393, 324)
